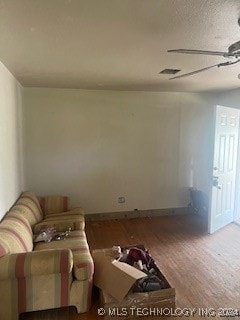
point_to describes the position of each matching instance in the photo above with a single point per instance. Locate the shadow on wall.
(198, 202)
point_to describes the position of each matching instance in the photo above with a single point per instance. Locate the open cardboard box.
(115, 279)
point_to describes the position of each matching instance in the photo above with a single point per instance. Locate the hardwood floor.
(204, 269)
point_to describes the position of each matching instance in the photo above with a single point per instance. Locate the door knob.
(215, 182)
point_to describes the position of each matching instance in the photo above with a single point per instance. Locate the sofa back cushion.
(54, 204)
(28, 206)
(15, 234)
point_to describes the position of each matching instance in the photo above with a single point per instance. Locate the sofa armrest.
(22, 265)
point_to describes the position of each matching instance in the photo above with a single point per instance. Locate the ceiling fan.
(233, 52)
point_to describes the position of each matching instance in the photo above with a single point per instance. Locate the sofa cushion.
(53, 204)
(28, 206)
(26, 212)
(31, 197)
(62, 221)
(82, 259)
(3, 248)
(65, 214)
(15, 235)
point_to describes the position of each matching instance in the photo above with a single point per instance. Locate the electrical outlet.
(121, 199)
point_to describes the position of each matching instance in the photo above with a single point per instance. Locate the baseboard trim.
(136, 214)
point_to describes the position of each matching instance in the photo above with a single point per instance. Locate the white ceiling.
(118, 44)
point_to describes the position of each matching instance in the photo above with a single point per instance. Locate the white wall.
(229, 98)
(98, 145)
(197, 140)
(11, 143)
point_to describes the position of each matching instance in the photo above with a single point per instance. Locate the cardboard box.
(115, 280)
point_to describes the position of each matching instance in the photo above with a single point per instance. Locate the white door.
(224, 167)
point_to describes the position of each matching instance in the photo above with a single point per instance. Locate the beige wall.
(197, 140)
(11, 161)
(98, 145)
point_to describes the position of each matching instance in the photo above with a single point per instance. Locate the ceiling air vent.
(169, 71)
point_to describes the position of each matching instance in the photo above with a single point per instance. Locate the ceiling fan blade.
(234, 48)
(194, 72)
(212, 53)
(222, 64)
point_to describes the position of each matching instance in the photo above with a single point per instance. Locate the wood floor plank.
(204, 269)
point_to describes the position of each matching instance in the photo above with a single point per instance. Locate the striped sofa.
(44, 275)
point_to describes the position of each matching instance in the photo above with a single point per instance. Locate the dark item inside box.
(116, 280)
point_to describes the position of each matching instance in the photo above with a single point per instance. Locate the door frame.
(211, 168)
(236, 214)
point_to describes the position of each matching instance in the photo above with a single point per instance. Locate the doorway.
(224, 195)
